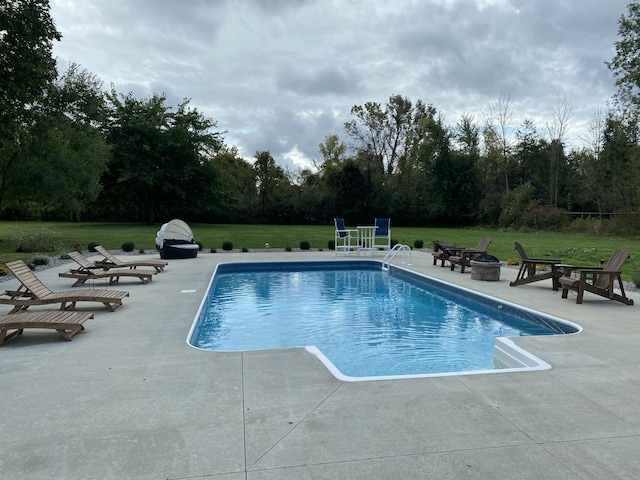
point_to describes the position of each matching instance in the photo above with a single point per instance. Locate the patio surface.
(129, 399)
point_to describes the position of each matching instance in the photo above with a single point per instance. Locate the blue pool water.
(366, 322)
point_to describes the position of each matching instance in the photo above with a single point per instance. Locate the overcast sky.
(280, 75)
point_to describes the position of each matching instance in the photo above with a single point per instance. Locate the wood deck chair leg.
(580, 289)
(67, 334)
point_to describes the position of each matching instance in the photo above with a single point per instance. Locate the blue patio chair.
(382, 237)
(345, 240)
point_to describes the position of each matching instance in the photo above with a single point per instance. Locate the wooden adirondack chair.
(529, 273)
(598, 280)
(441, 251)
(464, 256)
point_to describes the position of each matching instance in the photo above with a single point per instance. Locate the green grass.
(570, 248)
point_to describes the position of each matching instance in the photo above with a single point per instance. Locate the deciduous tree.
(27, 33)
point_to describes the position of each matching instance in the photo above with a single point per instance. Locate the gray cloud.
(280, 75)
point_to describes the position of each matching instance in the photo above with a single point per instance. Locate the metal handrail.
(388, 258)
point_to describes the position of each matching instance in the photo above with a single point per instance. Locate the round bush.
(418, 244)
(226, 246)
(128, 247)
(331, 244)
(40, 260)
(91, 246)
(304, 245)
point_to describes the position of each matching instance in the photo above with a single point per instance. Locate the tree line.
(71, 150)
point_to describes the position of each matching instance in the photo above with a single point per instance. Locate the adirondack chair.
(441, 251)
(529, 273)
(598, 280)
(463, 256)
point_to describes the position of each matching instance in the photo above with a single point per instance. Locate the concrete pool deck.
(129, 399)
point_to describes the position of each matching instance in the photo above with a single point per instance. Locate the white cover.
(174, 230)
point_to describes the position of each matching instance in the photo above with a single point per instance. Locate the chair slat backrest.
(81, 260)
(340, 229)
(383, 225)
(520, 251)
(32, 283)
(483, 245)
(614, 264)
(108, 255)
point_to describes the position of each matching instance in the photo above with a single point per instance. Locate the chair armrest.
(568, 269)
(472, 252)
(544, 261)
(600, 271)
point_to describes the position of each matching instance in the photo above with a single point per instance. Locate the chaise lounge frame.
(91, 271)
(67, 324)
(111, 261)
(33, 292)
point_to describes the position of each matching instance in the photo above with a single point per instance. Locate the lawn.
(570, 248)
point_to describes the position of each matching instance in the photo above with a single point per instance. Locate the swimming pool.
(364, 323)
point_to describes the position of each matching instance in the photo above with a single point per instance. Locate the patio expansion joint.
(293, 427)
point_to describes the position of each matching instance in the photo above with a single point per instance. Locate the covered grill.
(175, 240)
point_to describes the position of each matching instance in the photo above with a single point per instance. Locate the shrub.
(635, 278)
(77, 247)
(304, 245)
(200, 246)
(245, 249)
(418, 244)
(624, 224)
(40, 260)
(227, 246)
(141, 251)
(42, 241)
(331, 244)
(512, 261)
(128, 247)
(287, 248)
(543, 217)
(91, 246)
(3, 271)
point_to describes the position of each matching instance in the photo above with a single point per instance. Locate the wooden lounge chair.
(111, 261)
(598, 280)
(441, 251)
(90, 271)
(528, 272)
(463, 256)
(66, 324)
(33, 292)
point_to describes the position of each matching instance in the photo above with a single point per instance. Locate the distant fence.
(599, 215)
